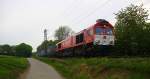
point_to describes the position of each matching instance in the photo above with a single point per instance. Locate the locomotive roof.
(102, 21)
(64, 39)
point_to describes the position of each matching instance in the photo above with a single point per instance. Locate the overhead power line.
(85, 10)
(92, 12)
(129, 1)
(69, 8)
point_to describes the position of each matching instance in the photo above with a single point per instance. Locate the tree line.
(21, 50)
(132, 33)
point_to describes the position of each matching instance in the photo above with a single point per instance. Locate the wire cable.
(70, 8)
(85, 10)
(92, 12)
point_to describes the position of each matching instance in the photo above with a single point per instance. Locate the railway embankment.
(101, 68)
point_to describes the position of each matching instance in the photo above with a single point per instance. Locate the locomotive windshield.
(103, 31)
(109, 31)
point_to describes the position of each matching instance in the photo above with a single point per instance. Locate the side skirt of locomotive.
(87, 50)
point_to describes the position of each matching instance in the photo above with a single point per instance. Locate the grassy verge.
(11, 67)
(101, 68)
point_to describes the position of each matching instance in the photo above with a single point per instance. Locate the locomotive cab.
(103, 34)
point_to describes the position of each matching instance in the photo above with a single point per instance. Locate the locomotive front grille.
(104, 40)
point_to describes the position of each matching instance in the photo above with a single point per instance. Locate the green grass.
(11, 67)
(101, 68)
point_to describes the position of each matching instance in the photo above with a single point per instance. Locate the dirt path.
(40, 70)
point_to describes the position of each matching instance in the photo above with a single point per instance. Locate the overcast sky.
(25, 20)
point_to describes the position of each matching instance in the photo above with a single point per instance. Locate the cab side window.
(79, 38)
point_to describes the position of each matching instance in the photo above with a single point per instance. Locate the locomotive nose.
(104, 37)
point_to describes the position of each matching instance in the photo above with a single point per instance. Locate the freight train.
(93, 41)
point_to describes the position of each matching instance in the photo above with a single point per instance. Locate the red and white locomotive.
(91, 41)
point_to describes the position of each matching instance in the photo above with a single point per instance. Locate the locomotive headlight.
(99, 42)
(96, 42)
(111, 42)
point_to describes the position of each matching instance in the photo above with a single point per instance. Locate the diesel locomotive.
(93, 41)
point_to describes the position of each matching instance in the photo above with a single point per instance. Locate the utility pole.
(45, 42)
(45, 34)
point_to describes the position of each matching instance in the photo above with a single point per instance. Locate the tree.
(1, 50)
(52, 42)
(131, 30)
(23, 50)
(62, 32)
(6, 49)
(47, 48)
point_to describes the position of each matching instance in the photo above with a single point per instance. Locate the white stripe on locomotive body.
(104, 40)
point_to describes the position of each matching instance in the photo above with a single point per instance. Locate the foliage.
(132, 31)
(46, 46)
(23, 50)
(18, 50)
(46, 43)
(62, 32)
(101, 68)
(11, 67)
(43, 46)
(6, 49)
